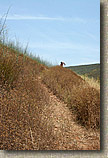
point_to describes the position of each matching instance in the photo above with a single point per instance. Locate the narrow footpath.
(66, 134)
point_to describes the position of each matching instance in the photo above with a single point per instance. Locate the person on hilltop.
(62, 63)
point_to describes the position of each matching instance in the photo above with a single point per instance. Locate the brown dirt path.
(42, 126)
(64, 133)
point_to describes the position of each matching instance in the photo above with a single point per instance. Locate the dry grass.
(33, 119)
(81, 98)
(92, 82)
(21, 101)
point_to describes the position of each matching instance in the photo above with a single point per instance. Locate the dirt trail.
(66, 134)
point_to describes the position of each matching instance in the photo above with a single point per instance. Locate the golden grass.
(92, 82)
(26, 110)
(21, 102)
(81, 98)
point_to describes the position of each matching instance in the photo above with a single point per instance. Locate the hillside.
(92, 70)
(45, 108)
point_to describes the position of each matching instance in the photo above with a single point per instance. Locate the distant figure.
(62, 63)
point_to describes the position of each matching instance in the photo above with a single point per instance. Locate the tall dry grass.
(22, 100)
(25, 105)
(9, 68)
(92, 82)
(82, 99)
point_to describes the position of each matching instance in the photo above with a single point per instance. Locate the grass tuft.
(9, 70)
(92, 82)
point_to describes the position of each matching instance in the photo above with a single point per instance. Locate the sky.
(56, 30)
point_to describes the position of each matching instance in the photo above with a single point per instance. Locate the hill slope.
(92, 70)
(82, 99)
(37, 111)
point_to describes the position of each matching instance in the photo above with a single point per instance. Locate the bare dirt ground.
(62, 133)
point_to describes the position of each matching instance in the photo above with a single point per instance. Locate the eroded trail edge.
(65, 134)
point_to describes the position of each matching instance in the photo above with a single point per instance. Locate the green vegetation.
(19, 50)
(16, 47)
(92, 70)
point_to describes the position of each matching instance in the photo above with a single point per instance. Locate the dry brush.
(82, 99)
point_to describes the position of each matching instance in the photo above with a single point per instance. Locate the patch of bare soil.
(65, 134)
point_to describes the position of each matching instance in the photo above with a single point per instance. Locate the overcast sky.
(56, 30)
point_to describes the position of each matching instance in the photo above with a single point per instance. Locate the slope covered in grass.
(92, 70)
(20, 98)
(80, 97)
(33, 115)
